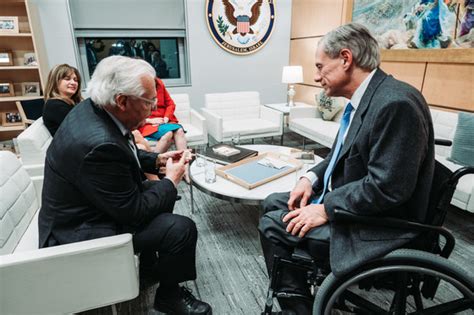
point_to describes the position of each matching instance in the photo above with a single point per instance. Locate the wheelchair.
(416, 279)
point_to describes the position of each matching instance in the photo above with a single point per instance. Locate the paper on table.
(275, 163)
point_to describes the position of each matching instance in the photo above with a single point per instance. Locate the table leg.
(192, 196)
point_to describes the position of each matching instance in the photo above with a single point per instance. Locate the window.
(163, 53)
(155, 31)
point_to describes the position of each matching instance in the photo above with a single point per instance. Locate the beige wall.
(444, 84)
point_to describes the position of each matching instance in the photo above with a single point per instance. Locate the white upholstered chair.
(33, 143)
(193, 122)
(240, 112)
(62, 279)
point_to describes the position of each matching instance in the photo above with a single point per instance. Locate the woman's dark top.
(54, 112)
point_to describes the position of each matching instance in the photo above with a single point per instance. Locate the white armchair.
(193, 122)
(62, 279)
(33, 144)
(240, 112)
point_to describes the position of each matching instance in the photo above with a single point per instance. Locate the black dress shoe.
(185, 304)
(178, 197)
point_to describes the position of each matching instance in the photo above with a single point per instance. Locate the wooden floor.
(230, 265)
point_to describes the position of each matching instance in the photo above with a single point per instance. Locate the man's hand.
(174, 155)
(155, 121)
(304, 219)
(175, 170)
(302, 192)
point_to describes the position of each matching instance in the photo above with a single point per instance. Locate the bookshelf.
(15, 44)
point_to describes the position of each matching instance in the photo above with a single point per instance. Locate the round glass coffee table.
(227, 190)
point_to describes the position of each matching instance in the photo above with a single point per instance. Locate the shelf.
(17, 35)
(18, 98)
(12, 128)
(19, 67)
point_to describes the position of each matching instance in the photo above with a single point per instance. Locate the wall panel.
(411, 73)
(450, 85)
(315, 17)
(305, 93)
(302, 52)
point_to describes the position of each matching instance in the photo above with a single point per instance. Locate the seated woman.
(63, 91)
(162, 125)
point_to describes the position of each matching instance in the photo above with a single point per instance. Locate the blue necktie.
(346, 117)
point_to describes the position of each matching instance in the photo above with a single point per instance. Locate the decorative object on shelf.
(30, 59)
(6, 58)
(240, 28)
(328, 106)
(292, 75)
(30, 88)
(6, 89)
(11, 119)
(9, 25)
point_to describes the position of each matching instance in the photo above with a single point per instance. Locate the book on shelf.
(226, 153)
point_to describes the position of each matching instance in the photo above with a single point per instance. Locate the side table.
(285, 109)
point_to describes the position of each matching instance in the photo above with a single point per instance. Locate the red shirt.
(165, 107)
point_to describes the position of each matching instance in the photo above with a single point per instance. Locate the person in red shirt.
(162, 125)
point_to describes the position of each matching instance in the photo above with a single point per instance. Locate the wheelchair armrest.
(444, 142)
(346, 216)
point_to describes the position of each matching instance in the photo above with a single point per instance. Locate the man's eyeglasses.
(151, 102)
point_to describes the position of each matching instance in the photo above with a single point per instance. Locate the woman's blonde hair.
(58, 73)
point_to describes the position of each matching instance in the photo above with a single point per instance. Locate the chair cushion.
(193, 134)
(321, 129)
(465, 184)
(234, 105)
(462, 151)
(18, 202)
(34, 142)
(252, 126)
(183, 107)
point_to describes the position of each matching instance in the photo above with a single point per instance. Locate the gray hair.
(357, 38)
(118, 74)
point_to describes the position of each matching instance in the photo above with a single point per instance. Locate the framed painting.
(419, 30)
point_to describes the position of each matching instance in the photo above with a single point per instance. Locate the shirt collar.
(124, 131)
(357, 96)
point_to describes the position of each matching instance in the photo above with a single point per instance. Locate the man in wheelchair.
(381, 166)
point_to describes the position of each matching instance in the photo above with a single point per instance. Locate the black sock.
(168, 290)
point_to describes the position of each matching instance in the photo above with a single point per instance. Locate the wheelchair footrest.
(293, 295)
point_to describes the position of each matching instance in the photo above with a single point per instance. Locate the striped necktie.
(346, 117)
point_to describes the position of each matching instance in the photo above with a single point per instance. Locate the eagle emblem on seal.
(242, 23)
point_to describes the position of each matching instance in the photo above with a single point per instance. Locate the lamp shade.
(292, 74)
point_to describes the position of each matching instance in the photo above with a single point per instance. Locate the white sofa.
(33, 143)
(240, 113)
(308, 123)
(445, 123)
(193, 122)
(62, 279)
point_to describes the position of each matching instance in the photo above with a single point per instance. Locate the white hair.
(356, 37)
(118, 74)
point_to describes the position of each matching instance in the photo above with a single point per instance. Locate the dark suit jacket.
(93, 183)
(385, 169)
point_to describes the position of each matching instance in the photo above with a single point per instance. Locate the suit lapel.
(358, 118)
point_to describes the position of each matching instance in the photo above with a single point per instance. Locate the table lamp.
(292, 75)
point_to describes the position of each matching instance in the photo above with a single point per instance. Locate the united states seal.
(240, 26)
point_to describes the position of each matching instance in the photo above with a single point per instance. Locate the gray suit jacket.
(385, 169)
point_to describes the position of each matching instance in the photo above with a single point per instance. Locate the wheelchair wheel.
(403, 282)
